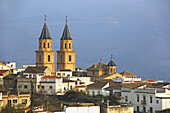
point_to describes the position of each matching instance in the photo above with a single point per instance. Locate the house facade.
(145, 97)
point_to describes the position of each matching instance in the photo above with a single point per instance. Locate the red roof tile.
(150, 80)
(80, 86)
(49, 77)
(3, 71)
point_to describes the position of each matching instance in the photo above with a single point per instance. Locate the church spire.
(111, 63)
(45, 32)
(66, 33)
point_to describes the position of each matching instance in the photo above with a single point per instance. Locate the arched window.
(69, 58)
(39, 58)
(48, 45)
(44, 45)
(69, 46)
(48, 58)
(65, 45)
(111, 70)
(61, 58)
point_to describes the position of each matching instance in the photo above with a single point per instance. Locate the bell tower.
(66, 55)
(111, 66)
(45, 54)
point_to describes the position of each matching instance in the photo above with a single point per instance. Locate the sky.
(135, 32)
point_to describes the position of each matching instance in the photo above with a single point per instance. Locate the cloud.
(111, 20)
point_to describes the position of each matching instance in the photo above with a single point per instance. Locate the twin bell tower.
(65, 56)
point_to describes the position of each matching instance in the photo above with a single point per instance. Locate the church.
(65, 56)
(45, 56)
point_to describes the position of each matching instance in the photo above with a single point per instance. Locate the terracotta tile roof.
(49, 77)
(128, 74)
(150, 80)
(11, 76)
(3, 71)
(35, 70)
(97, 85)
(67, 80)
(114, 86)
(80, 86)
(132, 85)
(98, 66)
(157, 85)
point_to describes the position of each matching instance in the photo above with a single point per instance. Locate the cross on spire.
(66, 19)
(45, 17)
(111, 56)
(101, 59)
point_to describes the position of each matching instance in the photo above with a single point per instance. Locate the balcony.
(143, 102)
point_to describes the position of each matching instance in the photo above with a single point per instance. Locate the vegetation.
(10, 109)
(55, 103)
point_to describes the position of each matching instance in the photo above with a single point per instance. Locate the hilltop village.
(41, 88)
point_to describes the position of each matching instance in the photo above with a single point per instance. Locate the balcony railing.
(143, 102)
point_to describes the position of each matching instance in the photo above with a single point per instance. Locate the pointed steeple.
(66, 33)
(111, 63)
(45, 33)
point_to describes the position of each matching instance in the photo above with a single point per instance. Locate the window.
(71, 87)
(157, 101)
(61, 58)
(137, 109)
(42, 87)
(144, 109)
(69, 58)
(65, 45)
(150, 99)
(69, 45)
(39, 58)
(64, 88)
(48, 45)
(137, 98)
(20, 86)
(151, 110)
(93, 93)
(111, 70)
(93, 73)
(98, 92)
(24, 101)
(38, 86)
(25, 86)
(126, 98)
(48, 58)
(40, 45)
(15, 101)
(9, 101)
(144, 99)
(44, 45)
(51, 87)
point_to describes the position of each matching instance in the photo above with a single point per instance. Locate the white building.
(97, 88)
(64, 73)
(124, 80)
(53, 85)
(83, 109)
(146, 97)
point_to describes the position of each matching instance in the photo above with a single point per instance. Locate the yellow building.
(101, 68)
(16, 99)
(66, 55)
(45, 54)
